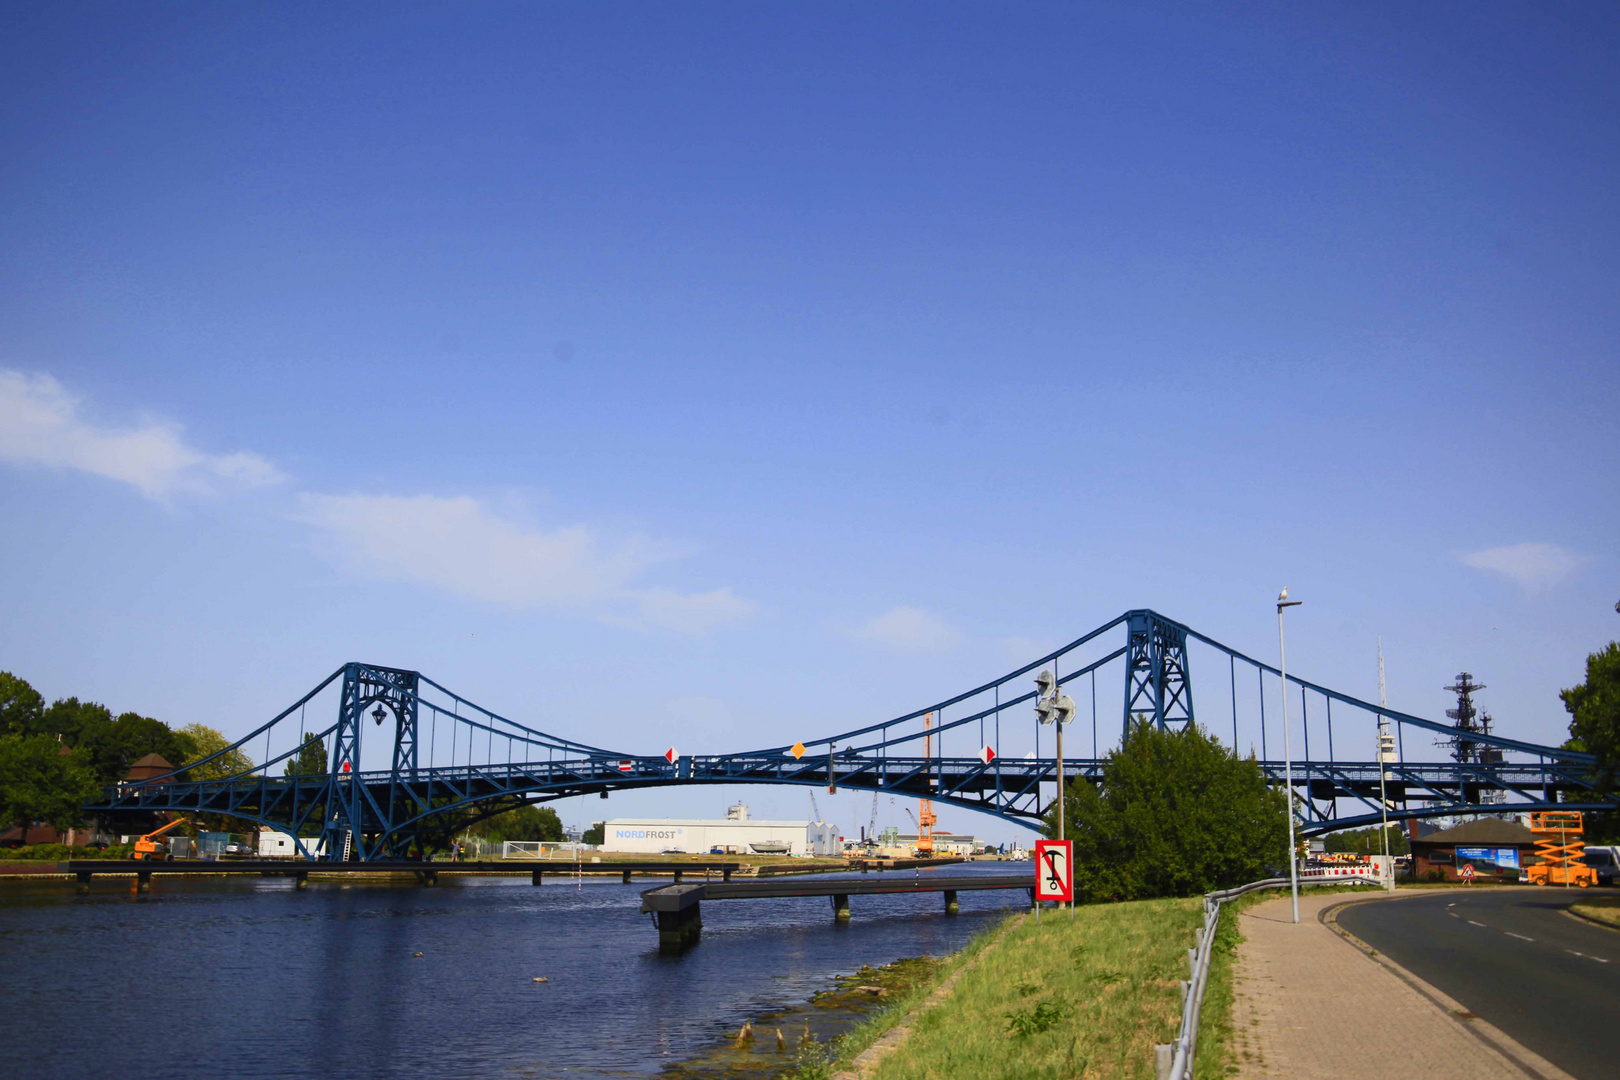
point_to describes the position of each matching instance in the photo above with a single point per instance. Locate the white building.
(280, 845)
(737, 834)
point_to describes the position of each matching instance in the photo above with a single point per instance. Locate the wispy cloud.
(1532, 566)
(458, 545)
(40, 424)
(692, 613)
(909, 629)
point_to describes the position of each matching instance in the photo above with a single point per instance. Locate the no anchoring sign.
(1054, 878)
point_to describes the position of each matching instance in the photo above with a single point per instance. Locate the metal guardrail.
(1173, 1061)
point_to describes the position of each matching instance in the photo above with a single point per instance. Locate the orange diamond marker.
(798, 750)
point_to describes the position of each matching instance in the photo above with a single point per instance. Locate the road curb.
(1532, 1064)
(1572, 913)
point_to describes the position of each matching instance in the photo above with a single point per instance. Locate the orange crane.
(926, 818)
(147, 846)
(1560, 848)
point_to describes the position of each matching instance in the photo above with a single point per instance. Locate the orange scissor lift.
(1560, 848)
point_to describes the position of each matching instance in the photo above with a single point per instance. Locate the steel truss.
(384, 814)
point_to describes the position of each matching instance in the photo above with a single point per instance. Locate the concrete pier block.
(534, 878)
(840, 903)
(143, 881)
(83, 880)
(627, 877)
(301, 880)
(951, 906)
(679, 930)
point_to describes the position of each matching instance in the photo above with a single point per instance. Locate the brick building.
(1496, 849)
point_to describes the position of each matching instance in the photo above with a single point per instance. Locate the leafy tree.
(1175, 814)
(112, 745)
(595, 834)
(205, 741)
(42, 780)
(1594, 727)
(522, 823)
(311, 759)
(1367, 842)
(21, 707)
(1594, 709)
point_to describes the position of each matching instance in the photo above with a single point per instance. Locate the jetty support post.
(840, 903)
(951, 906)
(677, 913)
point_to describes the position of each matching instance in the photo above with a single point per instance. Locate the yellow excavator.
(148, 848)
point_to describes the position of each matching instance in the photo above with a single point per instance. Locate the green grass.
(1060, 1000)
(1605, 910)
(820, 1062)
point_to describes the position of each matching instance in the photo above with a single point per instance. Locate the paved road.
(1514, 957)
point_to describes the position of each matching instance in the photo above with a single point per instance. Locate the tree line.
(55, 758)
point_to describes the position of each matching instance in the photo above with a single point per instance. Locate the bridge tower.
(1157, 683)
(384, 691)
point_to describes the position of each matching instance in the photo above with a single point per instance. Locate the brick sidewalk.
(1311, 1005)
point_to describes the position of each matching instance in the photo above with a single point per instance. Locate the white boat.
(770, 847)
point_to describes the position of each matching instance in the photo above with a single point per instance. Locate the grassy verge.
(819, 1063)
(1605, 911)
(1087, 998)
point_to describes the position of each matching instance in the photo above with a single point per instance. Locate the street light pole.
(1288, 752)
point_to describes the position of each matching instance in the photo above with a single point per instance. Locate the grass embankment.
(1605, 911)
(1087, 998)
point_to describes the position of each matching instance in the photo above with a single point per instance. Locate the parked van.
(1605, 860)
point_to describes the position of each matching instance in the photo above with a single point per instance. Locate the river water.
(251, 978)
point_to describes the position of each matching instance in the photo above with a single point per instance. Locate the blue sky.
(725, 374)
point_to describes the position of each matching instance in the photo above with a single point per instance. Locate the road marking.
(1451, 905)
(1471, 922)
(1521, 937)
(1572, 952)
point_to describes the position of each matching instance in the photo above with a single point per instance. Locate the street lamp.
(1288, 753)
(1053, 706)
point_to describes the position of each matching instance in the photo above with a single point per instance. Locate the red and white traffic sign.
(626, 766)
(1054, 877)
(1467, 871)
(669, 755)
(987, 755)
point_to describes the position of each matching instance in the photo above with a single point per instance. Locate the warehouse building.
(736, 834)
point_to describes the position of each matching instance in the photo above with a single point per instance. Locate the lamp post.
(1288, 753)
(1053, 706)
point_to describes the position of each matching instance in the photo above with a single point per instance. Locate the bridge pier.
(534, 878)
(427, 877)
(627, 877)
(680, 929)
(840, 903)
(84, 881)
(951, 906)
(301, 880)
(143, 881)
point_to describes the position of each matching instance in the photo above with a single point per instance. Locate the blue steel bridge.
(434, 761)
